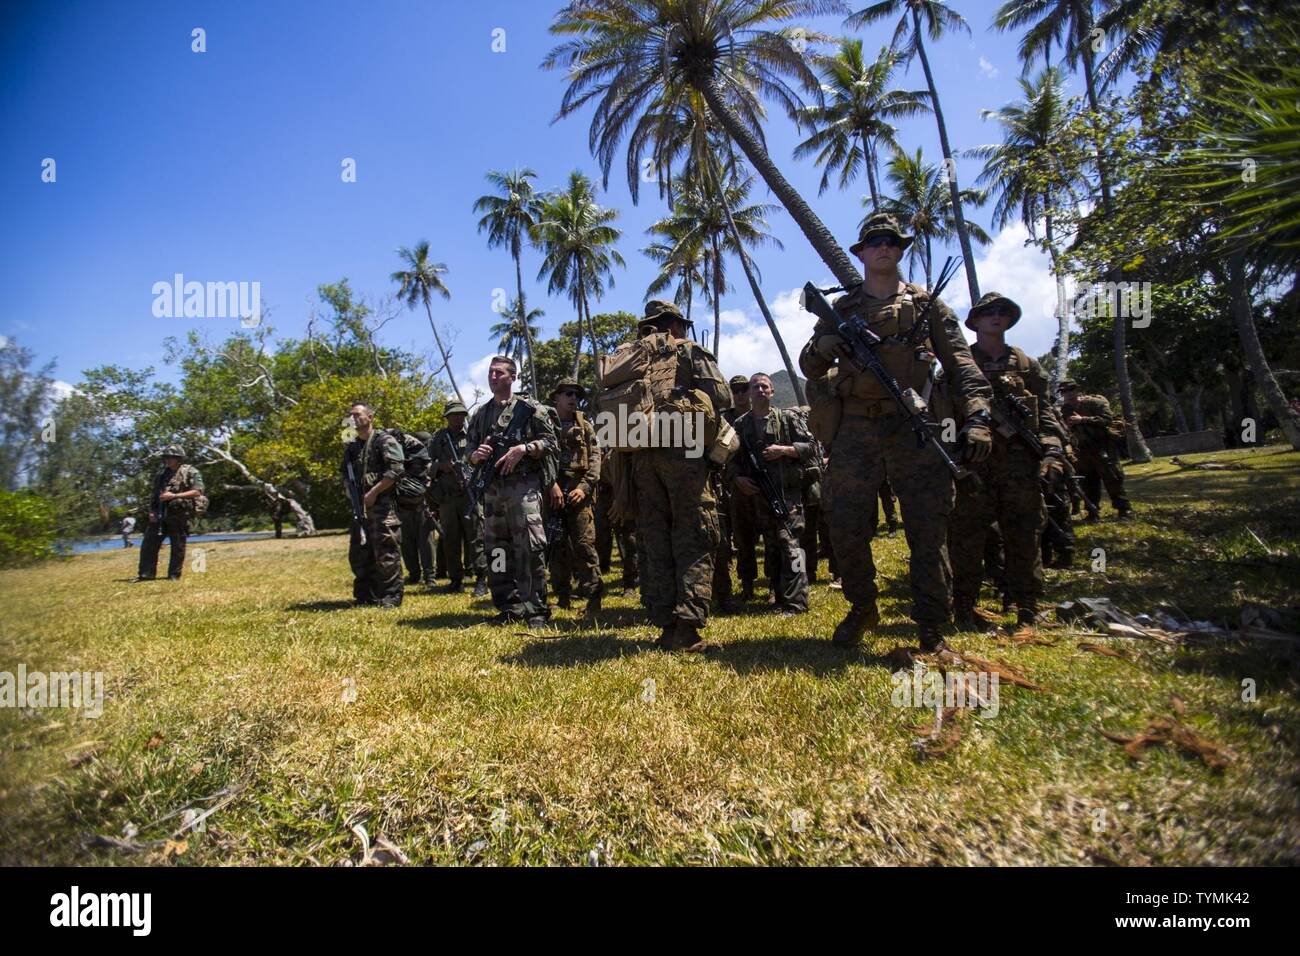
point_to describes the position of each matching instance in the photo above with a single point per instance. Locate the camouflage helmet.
(1068, 385)
(658, 312)
(877, 224)
(737, 380)
(172, 451)
(987, 301)
(455, 408)
(582, 392)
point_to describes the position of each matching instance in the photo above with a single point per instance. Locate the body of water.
(115, 541)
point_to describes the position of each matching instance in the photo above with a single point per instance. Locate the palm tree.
(577, 240)
(515, 336)
(508, 217)
(855, 120)
(636, 59)
(922, 203)
(938, 18)
(700, 219)
(680, 263)
(1027, 170)
(417, 283)
(1071, 23)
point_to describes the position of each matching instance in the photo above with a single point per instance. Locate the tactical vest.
(1009, 375)
(575, 456)
(894, 320)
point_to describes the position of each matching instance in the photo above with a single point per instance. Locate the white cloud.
(60, 389)
(4, 340)
(747, 343)
(1021, 272)
(987, 68)
(473, 380)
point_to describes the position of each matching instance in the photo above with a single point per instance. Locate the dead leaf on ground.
(1004, 671)
(1170, 730)
(1106, 651)
(155, 741)
(80, 753)
(943, 735)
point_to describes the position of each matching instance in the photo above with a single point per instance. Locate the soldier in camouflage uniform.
(176, 490)
(377, 461)
(676, 518)
(578, 473)
(1010, 491)
(515, 542)
(787, 449)
(607, 533)
(873, 436)
(462, 538)
(741, 518)
(1092, 426)
(417, 553)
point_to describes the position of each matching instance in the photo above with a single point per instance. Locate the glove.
(832, 347)
(976, 439)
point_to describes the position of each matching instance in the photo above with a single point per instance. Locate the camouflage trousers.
(812, 525)
(377, 564)
(417, 553)
(575, 559)
(864, 450)
(1011, 496)
(678, 529)
(462, 539)
(1094, 470)
(784, 549)
(607, 534)
(744, 537)
(176, 529)
(722, 554)
(515, 545)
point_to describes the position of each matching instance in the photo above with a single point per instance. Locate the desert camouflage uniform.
(514, 526)
(782, 538)
(377, 564)
(1009, 490)
(874, 439)
(578, 467)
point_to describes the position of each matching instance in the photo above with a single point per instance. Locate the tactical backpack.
(641, 376)
(811, 470)
(414, 482)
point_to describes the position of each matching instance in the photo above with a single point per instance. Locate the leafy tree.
(24, 398)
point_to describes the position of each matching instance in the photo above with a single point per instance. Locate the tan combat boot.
(850, 630)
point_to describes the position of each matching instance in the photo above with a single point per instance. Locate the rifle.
(1077, 482)
(1017, 424)
(557, 531)
(460, 470)
(487, 469)
(862, 343)
(771, 494)
(354, 496)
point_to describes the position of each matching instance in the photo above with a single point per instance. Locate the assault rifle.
(771, 494)
(500, 443)
(354, 496)
(862, 344)
(557, 531)
(1011, 415)
(460, 469)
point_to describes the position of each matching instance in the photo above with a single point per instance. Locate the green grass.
(467, 743)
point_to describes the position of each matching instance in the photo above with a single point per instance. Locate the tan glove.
(832, 347)
(976, 439)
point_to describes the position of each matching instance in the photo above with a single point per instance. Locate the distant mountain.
(782, 391)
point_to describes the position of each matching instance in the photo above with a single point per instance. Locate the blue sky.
(225, 166)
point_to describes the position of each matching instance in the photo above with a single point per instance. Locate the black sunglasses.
(876, 241)
(740, 389)
(569, 393)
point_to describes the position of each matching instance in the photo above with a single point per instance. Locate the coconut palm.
(921, 201)
(937, 18)
(577, 241)
(1071, 24)
(681, 264)
(856, 117)
(1028, 170)
(417, 283)
(508, 216)
(636, 59)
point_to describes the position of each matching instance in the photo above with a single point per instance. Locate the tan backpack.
(640, 377)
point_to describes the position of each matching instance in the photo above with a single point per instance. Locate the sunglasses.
(569, 393)
(875, 242)
(740, 389)
(1005, 313)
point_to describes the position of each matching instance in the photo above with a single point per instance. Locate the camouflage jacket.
(373, 460)
(184, 478)
(892, 318)
(446, 484)
(780, 427)
(1017, 375)
(1093, 431)
(493, 418)
(578, 465)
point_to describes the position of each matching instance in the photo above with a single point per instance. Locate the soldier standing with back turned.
(873, 434)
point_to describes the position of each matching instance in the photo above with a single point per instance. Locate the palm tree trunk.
(823, 243)
(1255, 358)
(446, 360)
(950, 166)
(523, 318)
(717, 296)
(929, 261)
(1062, 311)
(753, 287)
(591, 332)
(869, 160)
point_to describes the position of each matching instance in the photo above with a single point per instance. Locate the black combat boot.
(667, 637)
(967, 617)
(747, 590)
(480, 588)
(562, 601)
(428, 579)
(1026, 623)
(593, 607)
(930, 638)
(1124, 508)
(850, 630)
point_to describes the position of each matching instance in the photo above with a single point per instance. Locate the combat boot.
(455, 587)
(930, 638)
(592, 608)
(688, 640)
(667, 637)
(480, 588)
(747, 590)
(850, 630)
(967, 617)
(562, 601)
(1124, 508)
(428, 579)
(1026, 624)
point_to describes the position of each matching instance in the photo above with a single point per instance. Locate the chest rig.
(902, 350)
(1009, 377)
(573, 446)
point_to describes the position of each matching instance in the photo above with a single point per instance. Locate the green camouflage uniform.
(606, 533)
(677, 523)
(782, 538)
(1094, 451)
(874, 439)
(514, 528)
(578, 467)
(377, 564)
(742, 524)
(169, 520)
(1010, 492)
(462, 538)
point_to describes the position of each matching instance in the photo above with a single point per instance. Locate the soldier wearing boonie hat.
(174, 500)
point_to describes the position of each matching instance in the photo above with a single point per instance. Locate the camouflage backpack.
(641, 376)
(414, 482)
